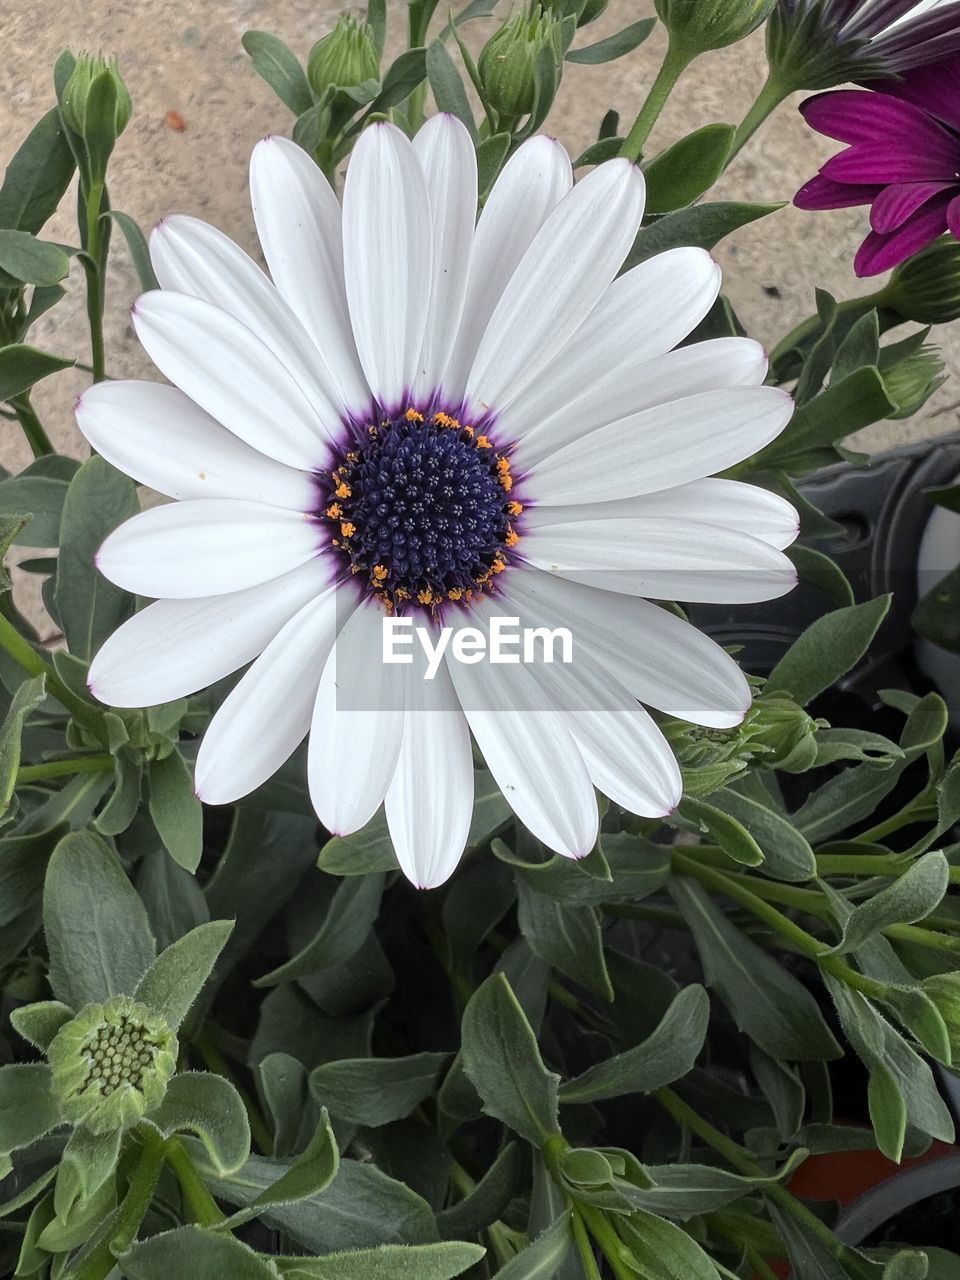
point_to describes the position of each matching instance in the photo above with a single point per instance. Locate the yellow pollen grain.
(379, 572)
(343, 490)
(334, 511)
(413, 416)
(512, 538)
(402, 593)
(455, 593)
(514, 508)
(483, 443)
(348, 529)
(425, 596)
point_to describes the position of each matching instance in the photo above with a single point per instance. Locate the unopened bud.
(90, 74)
(926, 288)
(508, 61)
(345, 57)
(698, 25)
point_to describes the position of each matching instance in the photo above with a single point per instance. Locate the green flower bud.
(76, 94)
(912, 379)
(508, 61)
(944, 990)
(698, 25)
(345, 57)
(926, 288)
(775, 728)
(111, 1064)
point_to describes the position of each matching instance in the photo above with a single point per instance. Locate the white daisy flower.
(423, 417)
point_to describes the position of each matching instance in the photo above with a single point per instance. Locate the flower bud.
(345, 57)
(911, 379)
(698, 25)
(87, 72)
(508, 61)
(926, 288)
(944, 990)
(111, 1064)
(775, 729)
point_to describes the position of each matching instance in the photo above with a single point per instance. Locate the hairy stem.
(63, 768)
(33, 429)
(673, 67)
(199, 1203)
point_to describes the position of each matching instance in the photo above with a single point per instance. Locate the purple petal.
(904, 47)
(896, 160)
(850, 115)
(953, 217)
(880, 253)
(824, 193)
(934, 89)
(901, 200)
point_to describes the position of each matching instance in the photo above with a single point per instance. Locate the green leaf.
(98, 935)
(40, 490)
(683, 1191)
(280, 68)
(28, 1108)
(210, 1107)
(489, 1199)
(787, 854)
(22, 366)
(31, 261)
(809, 1255)
(388, 1262)
(408, 71)
(191, 1251)
(174, 980)
(616, 46)
(730, 834)
(309, 1174)
(827, 650)
(502, 1060)
(666, 1055)
(566, 937)
(682, 173)
(702, 225)
(350, 918)
(100, 121)
(543, 1259)
(176, 812)
(937, 616)
(139, 250)
(40, 1022)
(908, 899)
(376, 1091)
(819, 570)
(491, 153)
(856, 402)
(27, 698)
(88, 1161)
(362, 853)
(89, 607)
(767, 1002)
(447, 86)
(37, 176)
(663, 1251)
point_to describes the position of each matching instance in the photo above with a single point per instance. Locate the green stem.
(804, 942)
(33, 428)
(27, 657)
(259, 1129)
(95, 270)
(587, 1256)
(673, 67)
(685, 1115)
(921, 937)
(200, 1204)
(770, 97)
(131, 1213)
(913, 812)
(63, 768)
(613, 1248)
(856, 864)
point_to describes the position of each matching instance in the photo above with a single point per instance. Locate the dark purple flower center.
(419, 507)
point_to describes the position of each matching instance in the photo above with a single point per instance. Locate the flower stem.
(200, 1204)
(33, 428)
(672, 68)
(133, 1208)
(95, 269)
(587, 1256)
(63, 768)
(769, 98)
(613, 1248)
(27, 657)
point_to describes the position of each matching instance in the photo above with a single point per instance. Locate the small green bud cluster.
(89, 76)
(926, 288)
(911, 380)
(345, 57)
(508, 63)
(111, 1064)
(696, 26)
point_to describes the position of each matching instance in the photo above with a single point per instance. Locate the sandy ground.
(188, 59)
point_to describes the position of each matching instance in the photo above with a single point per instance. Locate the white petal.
(449, 162)
(644, 313)
(533, 182)
(627, 756)
(663, 559)
(190, 256)
(731, 504)
(562, 277)
(663, 661)
(176, 647)
(206, 547)
(299, 224)
(528, 748)
(387, 259)
(664, 446)
(226, 369)
(357, 725)
(157, 435)
(688, 371)
(429, 803)
(266, 716)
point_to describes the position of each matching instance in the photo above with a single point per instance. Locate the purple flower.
(814, 44)
(903, 160)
